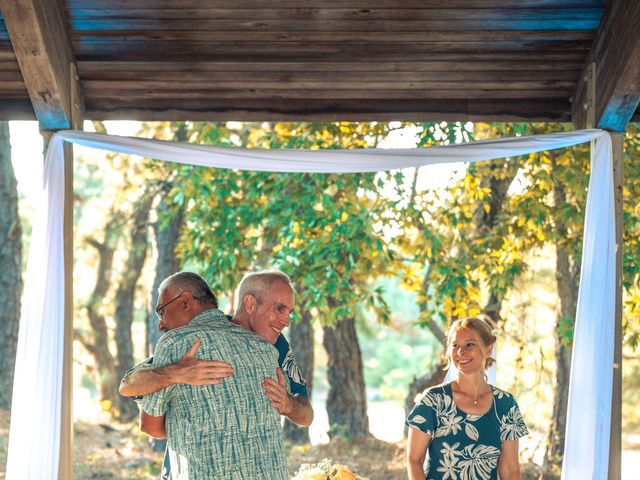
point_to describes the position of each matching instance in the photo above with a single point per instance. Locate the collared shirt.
(297, 385)
(224, 431)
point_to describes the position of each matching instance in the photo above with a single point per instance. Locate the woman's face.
(467, 351)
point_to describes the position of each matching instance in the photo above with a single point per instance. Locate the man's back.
(224, 431)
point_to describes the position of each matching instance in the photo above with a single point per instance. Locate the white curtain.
(35, 413)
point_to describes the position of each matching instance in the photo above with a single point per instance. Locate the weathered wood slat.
(451, 62)
(331, 110)
(301, 25)
(559, 38)
(368, 79)
(77, 17)
(324, 93)
(358, 4)
(16, 109)
(309, 51)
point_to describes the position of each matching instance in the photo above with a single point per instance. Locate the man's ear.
(187, 300)
(250, 303)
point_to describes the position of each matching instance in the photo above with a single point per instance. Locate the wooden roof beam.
(616, 54)
(42, 46)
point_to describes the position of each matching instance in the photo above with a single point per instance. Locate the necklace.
(475, 399)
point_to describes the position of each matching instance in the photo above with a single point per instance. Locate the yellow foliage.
(105, 405)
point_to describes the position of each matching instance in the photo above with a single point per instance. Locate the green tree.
(323, 230)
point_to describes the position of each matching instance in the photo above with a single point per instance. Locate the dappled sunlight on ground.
(105, 449)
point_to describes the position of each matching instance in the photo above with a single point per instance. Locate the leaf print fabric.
(465, 446)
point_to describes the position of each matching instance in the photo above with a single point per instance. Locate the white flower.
(448, 467)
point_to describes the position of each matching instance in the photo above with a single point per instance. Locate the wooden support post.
(615, 443)
(65, 469)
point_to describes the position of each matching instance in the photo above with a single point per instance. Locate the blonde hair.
(481, 329)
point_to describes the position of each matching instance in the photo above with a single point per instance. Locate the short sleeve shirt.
(224, 431)
(465, 446)
(297, 385)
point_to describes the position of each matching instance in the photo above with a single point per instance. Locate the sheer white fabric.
(35, 418)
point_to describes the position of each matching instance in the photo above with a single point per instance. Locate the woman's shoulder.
(502, 397)
(434, 391)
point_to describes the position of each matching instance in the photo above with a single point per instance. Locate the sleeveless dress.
(465, 446)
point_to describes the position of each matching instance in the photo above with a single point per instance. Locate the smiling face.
(467, 352)
(270, 315)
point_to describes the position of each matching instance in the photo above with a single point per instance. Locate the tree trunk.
(301, 334)
(346, 402)
(567, 274)
(125, 297)
(166, 238)
(10, 268)
(98, 342)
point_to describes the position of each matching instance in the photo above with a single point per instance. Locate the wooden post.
(615, 443)
(65, 469)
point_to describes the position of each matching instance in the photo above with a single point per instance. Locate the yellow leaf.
(105, 405)
(344, 216)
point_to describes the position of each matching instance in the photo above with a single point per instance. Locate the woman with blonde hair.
(470, 428)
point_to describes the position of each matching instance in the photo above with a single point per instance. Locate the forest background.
(381, 262)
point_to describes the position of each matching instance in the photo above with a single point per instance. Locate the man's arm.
(153, 426)
(189, 370)
(296, 409)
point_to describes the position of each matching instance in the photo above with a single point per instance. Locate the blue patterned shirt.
(465, 446)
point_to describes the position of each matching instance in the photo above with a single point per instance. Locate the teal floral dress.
(464, 446)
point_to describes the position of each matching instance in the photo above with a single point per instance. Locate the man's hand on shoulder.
(196, 371)
(188, 369)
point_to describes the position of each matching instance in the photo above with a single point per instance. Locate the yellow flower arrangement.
(325, 470)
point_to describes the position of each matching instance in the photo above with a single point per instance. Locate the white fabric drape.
(35, 418)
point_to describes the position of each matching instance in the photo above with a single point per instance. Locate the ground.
(111, 451)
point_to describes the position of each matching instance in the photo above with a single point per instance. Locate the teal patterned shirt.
(225, 431)
(465, 446)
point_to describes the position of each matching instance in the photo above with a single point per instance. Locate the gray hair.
(258, 285)
(192, 283)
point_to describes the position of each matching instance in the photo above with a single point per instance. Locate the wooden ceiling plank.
(43, 50)
(331, 110)
(381, 94)
(358, 4)
(366, 85)
(432, 24)
(310, 51)
(616, 53)
(103, 69)
(79, 17)
(188, 79)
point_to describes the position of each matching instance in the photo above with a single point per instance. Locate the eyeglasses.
(162, 308)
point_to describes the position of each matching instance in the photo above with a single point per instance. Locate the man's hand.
(194, 371)
(296, 409)
(277, 393)
(190, 370)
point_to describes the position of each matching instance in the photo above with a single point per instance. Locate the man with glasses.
(265, 301)
(228, 430)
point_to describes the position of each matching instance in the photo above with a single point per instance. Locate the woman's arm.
(508, 463)
(417, 444)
